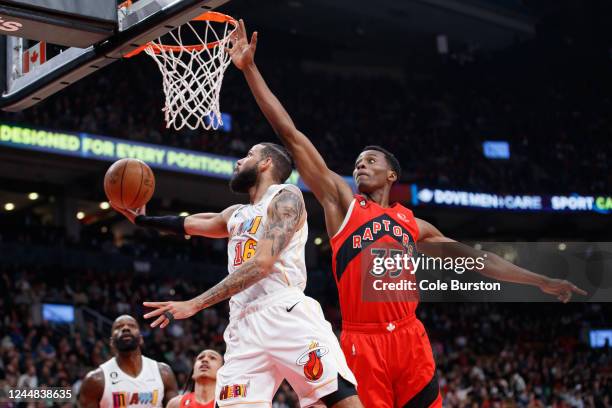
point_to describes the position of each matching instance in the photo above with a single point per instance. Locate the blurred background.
(498, 110)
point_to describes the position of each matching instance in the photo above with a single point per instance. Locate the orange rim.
(208, 16)
(125, 4)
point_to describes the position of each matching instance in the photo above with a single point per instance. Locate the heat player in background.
(129, 378)
(385, 344)
(201, 386)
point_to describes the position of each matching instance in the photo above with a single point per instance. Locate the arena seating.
(488, 354)
(434, 118)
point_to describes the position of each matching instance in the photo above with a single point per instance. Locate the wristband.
(170, 223)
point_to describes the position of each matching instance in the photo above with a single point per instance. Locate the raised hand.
(166, 312)
(241, 51)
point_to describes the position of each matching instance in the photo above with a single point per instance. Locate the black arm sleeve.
(170, 223)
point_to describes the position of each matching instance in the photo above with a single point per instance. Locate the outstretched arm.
(211, 225)
(495, 267)
(327, 186)
(286, 214)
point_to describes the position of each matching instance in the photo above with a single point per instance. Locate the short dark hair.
(390, 157)
(283, 163)
(190, 385)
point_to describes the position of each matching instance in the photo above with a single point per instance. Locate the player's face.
(126, 334)
(246, 171)
(207, 364)
(372, 172)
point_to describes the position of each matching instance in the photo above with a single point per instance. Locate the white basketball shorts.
(283, 335)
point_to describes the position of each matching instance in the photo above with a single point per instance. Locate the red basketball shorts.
(393, 363)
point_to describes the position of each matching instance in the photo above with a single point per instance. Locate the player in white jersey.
(275, 331)
(129, 379)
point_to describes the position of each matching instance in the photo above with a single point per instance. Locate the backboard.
(31, 71)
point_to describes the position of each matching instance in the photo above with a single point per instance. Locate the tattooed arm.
(286, 215)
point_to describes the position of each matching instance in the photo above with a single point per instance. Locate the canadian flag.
(34, 57)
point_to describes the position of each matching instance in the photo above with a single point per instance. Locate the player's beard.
(126, 344)
(243, 180)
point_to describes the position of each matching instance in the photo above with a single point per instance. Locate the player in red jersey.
(385, 344)
(202, 383)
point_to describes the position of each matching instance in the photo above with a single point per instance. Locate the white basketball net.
(192, 78)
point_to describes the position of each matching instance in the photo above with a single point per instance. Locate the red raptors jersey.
(370, 231)
(189, 401)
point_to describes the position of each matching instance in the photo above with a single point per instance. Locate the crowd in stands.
(551, 108)
(494, 355)
(34, 352)
(488, 355)
(27, 228)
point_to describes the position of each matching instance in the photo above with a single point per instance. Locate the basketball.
(129, 183)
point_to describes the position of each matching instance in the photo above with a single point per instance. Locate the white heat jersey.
(245, 227)
(122, 390)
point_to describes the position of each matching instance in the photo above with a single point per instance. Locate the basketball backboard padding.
(99, 10)
(68, 23)
(150, 20)
(146, 20)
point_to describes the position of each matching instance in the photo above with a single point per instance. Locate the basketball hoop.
(192, 74)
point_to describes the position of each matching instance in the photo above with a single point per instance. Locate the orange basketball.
(129, 183)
